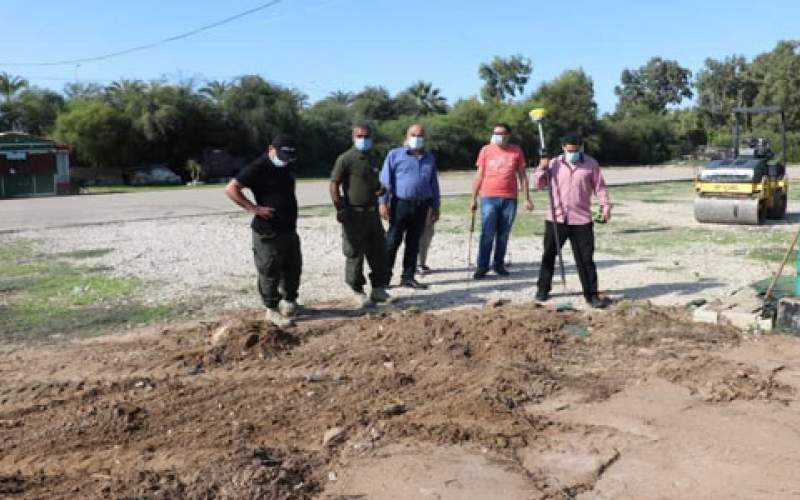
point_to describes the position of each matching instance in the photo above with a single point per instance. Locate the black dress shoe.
(597, 302)
(413, 284)
(501, 271)
(480, 273)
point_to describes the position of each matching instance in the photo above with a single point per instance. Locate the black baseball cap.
(284, 146)
(572, 138)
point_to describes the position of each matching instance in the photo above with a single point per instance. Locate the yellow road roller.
(749, 188)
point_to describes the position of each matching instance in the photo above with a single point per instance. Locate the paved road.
(66, 211)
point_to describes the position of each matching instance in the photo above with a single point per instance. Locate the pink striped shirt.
(574, 187)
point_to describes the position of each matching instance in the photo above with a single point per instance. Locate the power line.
(150, 45)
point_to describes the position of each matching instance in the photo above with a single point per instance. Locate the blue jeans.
(497, 217)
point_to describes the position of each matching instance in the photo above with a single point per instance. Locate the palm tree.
(119, 90)
(428, 98)
(124, 85)
(10, 85)
(216, 90)
(342, 97)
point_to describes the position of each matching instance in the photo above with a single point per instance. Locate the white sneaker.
(287, 308)
(276, 318)
(360, 300)
(378, 294)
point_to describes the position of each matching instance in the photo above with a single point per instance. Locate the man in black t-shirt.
(276, 245)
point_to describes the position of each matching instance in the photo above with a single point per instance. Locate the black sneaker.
(597, 302)
(423, 269)
(501, 271)
(480, 274)
(413, 284)
(542, 297)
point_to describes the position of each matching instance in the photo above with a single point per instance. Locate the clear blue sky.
(323, 45)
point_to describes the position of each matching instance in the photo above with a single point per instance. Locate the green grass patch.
(663, 192)
(783, 288)
(456, 216)
(42, 294)
(86, 254)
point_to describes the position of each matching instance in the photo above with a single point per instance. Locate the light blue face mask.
(363, 143)
(278, 162)
(416, 142)
(498, 139)
(572, 157)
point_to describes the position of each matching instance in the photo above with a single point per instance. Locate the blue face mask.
(572, 157)
(363, 143)
(416, 142)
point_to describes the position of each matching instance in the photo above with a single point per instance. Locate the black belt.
(367, 208)
(416, 203)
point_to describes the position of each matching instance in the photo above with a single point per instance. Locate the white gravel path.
(208, 260)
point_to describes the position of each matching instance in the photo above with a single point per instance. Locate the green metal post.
(797, 276)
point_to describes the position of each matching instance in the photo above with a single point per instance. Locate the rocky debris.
(720, 381)
(393, 409)
(496, 302)
(333, 436)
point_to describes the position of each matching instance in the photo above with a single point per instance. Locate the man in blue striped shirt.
(412, 190)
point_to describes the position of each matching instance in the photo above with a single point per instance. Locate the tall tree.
(427, 98)
(341, 97)
(34, 110)
(258, 109)
(569, 101)
(505, 78)
(777, 74)
(722, 85)
(82, 90)
(655, 85)
(10, 85)
(216, 90)
(374, 103)
(100, 134)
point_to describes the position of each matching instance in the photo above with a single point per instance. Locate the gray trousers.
(425, 242)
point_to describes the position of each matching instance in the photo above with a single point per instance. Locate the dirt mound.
(718, 380)
(241, 339)
(262, 473)
(239, 409)
(638, 324)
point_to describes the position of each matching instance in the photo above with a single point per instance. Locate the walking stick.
(537, 115)
(771, 288)
(469, 244)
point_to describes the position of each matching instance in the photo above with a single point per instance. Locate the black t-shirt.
(272, 187)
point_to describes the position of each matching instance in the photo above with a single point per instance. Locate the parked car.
(155, 174)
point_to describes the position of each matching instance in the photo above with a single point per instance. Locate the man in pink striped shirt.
(574, 177)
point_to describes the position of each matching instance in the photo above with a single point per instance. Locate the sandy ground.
(208, 261)
(416, 400)
(504, 402)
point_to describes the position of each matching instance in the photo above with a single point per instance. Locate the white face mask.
(277, 161)
(498, 139)
(416, 142)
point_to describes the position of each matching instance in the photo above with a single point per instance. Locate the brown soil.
(236, 409)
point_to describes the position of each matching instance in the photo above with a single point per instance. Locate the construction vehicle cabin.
(32, 166)
(748, 188)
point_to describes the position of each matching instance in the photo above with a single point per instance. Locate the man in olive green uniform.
(354, 190)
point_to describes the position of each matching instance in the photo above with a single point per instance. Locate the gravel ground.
(208, 261)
